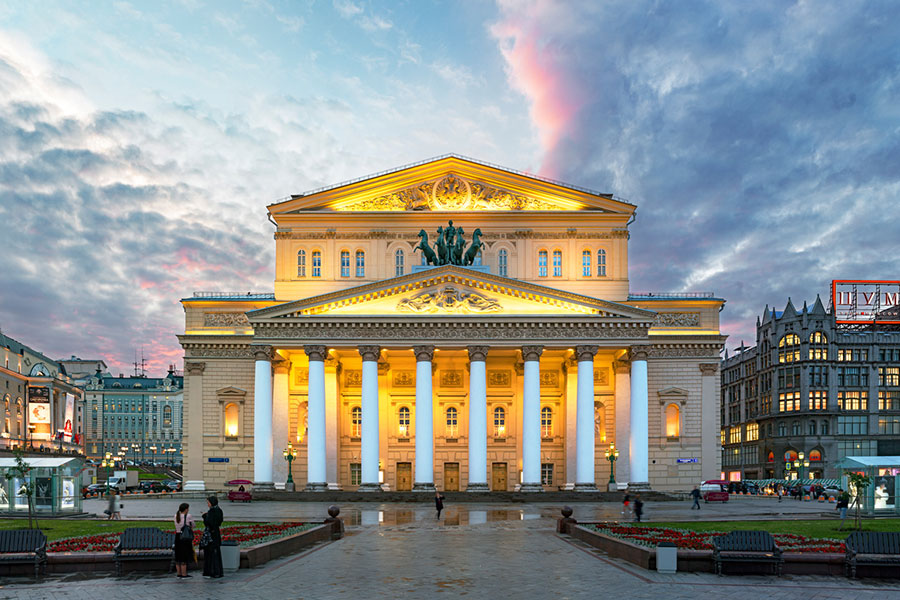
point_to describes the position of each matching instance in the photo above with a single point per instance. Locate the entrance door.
(498, 477)
(451, 477)
(404, 477)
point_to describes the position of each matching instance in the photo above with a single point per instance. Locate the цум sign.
(682, 461)
(860, 302)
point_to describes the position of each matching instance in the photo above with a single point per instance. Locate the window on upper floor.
(360, 263)
(853, 400)
(543, 257)
(818, 400)
(345, 263)
(356, 422)
(673, 421)
(499, 422)
(888, 400)
(452, 430)
(888, 376)
(585, 263)
(316, 263)
(399, 259)
(789, 348)
(752, 432)
(818, 346)
(601, 263)
(403, 422)
(853, 376)
(301, 263)
(546, 422)
(503, 259)
(231, 420)
(557, 263)
(167, 416)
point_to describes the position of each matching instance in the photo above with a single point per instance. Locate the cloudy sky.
(140, 142)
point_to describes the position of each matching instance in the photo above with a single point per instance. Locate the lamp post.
(290, 453)
(152, 450)
(107, 463)
(612, 454)
(134, 449)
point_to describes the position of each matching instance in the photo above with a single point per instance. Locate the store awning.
(38, 462)
(864, 462)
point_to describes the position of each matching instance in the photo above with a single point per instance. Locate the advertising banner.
(70, 417)
(38, 406)
(865, 302)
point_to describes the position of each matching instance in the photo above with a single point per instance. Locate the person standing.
(638, 508)
(695, 494)
(110, 504)
(778, 491)
(212, 553)
(184, 545)
(117, 506)
(438, 503)
(626, 505)
(842, 503)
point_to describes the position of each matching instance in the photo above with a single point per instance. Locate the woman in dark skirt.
(212, 554)
(184, 549)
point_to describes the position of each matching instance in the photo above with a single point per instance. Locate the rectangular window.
(818, 399)
(722, 437)
(766, 404)
(853, 425)
(546, 473)
(586, 263)
(542, 263)
(818, 376)
(752, 432)
(889, 354)
(789, 402)
(355, 473)
(345, 263)
(503, 263)
(856, 447)
(889, 425)
(557, 263)
(316, 264)
(734, 436)
(360, 263)
(889, 400)
(853, 400)
(853, 376)
(789, 378)
(889, 376)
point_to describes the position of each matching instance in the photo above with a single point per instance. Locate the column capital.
(708, 368)
(622, 366)
(585, 352)
(478, 352)
(281, 366)
(423, 353)
(194, 368)
(639, 353)
(262, 352)
(532, 352)
(316, 352)
(370, 352)
(383, 367)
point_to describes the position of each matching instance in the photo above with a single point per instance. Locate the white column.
(571, 367)
(280, 420)
(477, 419)
(710, 456)
(315, 439)
(623, 420)
(424, 478)
(531, 419)
(331, 423)
(584, 440)
(192, 426)
(639, 442)
(370, 432)
(262, 421)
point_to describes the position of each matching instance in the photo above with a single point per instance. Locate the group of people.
(210, 542)
(633, 507)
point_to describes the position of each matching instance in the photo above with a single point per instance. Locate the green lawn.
(815, 529)
(57, 529)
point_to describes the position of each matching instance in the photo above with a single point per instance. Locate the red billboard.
(860, 302)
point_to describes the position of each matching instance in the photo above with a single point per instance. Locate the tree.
(859, 483)
(21, 471)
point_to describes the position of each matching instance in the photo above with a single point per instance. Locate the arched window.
(356, 422)
(504, 259)
(557, 263)
(824, 427)
(542, 263)
(546, 422)
(231, 420)
(789, 348)
(795, 428)
(815, 456)
(316, 263)
(345, 263)
(818, 346)
(403, 422)
(301, 263)
(452, 422)
(586, 263)
(790, 455)
(673, 421)
(399, 259)
(601, 263)
(499, 422)
(167, 416)
(811, 428)
(770, 457)
(360, 263)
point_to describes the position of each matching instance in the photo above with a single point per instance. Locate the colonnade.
(638, 448)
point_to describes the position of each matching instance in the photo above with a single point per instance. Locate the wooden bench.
(752, 547)
(871, 548)
(141, 543)
(24, 546)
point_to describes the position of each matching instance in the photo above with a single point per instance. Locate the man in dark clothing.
(212, 553)
(638, 508)
(695, 494)
(438, 503)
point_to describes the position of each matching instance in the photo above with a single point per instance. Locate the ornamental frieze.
(677, 351)
(448, 300)
(200, 350)
(678, 319)
(380, 234)
(226, 319)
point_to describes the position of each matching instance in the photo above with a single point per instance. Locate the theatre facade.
(452, 325)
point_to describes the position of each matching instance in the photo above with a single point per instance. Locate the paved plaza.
(475, 551)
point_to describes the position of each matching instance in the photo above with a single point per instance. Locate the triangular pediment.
(451, 291)
(451, 184)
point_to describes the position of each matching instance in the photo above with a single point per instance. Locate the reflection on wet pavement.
(451, 517)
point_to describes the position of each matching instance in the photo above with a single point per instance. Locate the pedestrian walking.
(626, 505)
(695, 494)
(212, 551)
(110, 511)
(438, 503)
(184, 540)
(117, 506)
(842, 503)
(638, 508)
(779, 491)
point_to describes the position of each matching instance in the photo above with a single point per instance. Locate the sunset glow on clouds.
(140, 144)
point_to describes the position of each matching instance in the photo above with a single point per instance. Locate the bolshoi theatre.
(454, 325)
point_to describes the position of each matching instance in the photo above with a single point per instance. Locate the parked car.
(94, 488)
(151, 486)
(714, 490)
(173, 485)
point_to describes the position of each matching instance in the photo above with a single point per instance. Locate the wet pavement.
(476, 551)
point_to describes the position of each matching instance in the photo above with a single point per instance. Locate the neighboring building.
(521, 368)
(141, 417)
(809, 387)
(42, 407)
(80, 370)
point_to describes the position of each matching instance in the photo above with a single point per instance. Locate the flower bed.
(247, 535)
(694, 540)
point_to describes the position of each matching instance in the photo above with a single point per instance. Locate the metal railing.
(248, 295)
(651, 295)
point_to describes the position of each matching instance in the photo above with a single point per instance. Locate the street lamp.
(134, 449)
(152, 450)
(612, 454)
(289, 455)
(107, 463)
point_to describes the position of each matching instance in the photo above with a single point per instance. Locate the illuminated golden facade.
(527, 364)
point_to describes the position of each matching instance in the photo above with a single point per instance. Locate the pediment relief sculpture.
(449, 299)
(451, 193)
